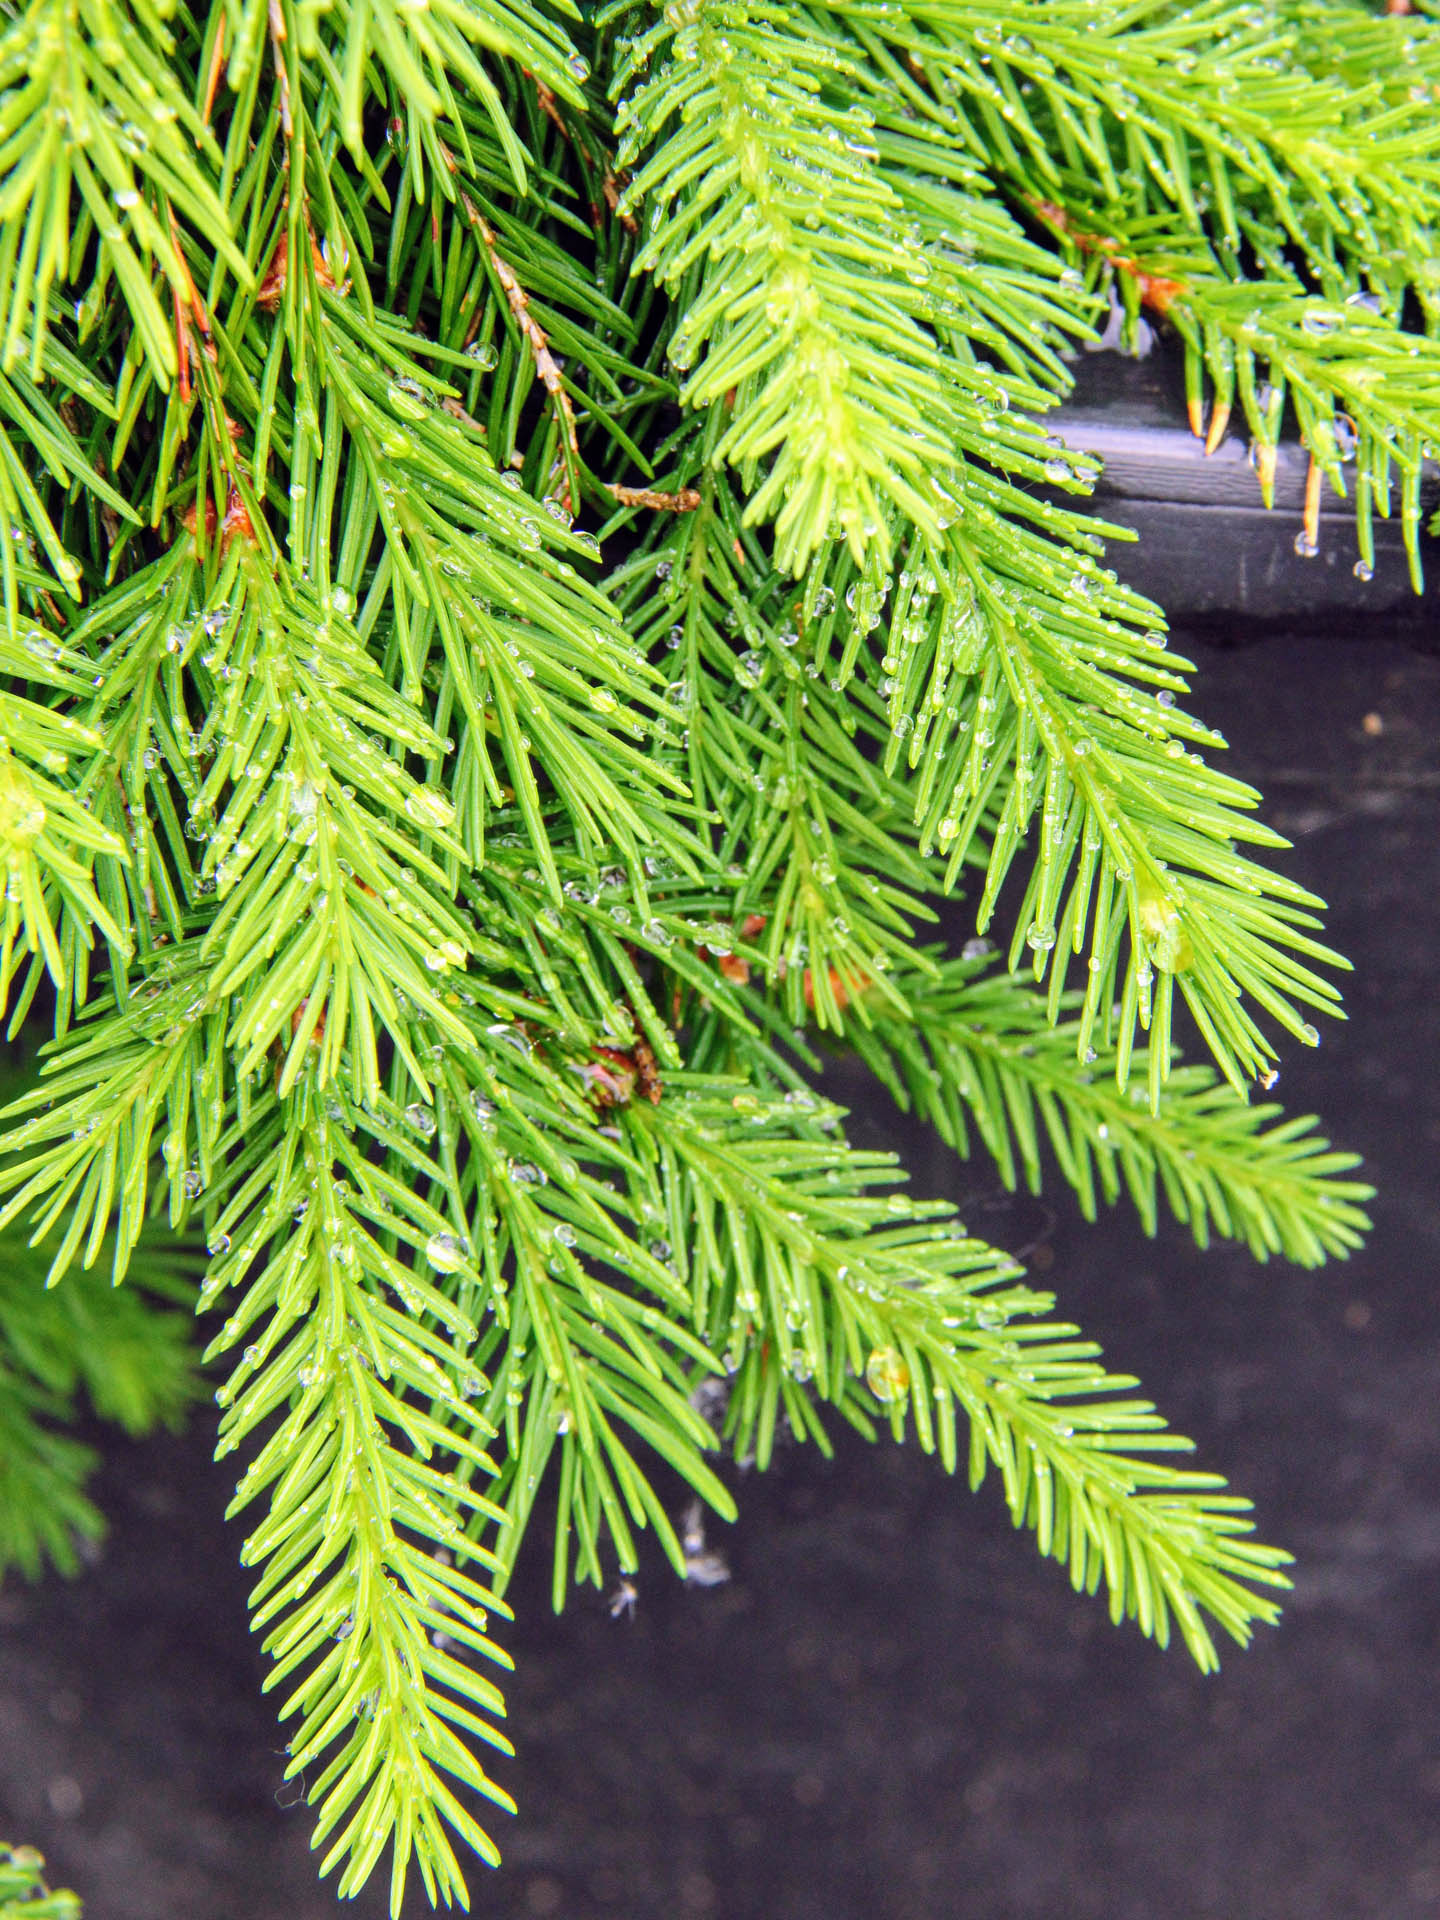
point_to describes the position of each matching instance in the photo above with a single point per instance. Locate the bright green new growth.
(531, 558)
(24, 1894)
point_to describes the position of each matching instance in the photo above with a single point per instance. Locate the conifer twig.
(533, 334)
(684, 500)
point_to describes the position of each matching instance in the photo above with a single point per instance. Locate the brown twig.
(612, 186)
(685, 501)
(237, 524)
(213, 71)
(1156, 291)
(184, 295)
(182, 344)
(272, 288)
(549, 106)
(546, 367)
(456, 411)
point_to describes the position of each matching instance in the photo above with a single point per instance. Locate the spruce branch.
(979, 1050)
(32, 492)
(1215, 115)
(61, 863)
(127, 1351)
(578, 1358)
(819, 840)
(72, 76)
(24, 1893)
(1019, 680)
(1265, 341)
(361, 1609)
(805, 297)
(44, 1509)
(86, 1154)
(813, 1280)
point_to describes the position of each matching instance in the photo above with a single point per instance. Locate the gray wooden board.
(1208, 550)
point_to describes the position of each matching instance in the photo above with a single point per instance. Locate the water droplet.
(407, 397)
(1362, 571)
(887, 1375)
(445, 1252)
(1318, 321)
(1163, 925)
(421, 1119)
(430, 808)
(1041, 939)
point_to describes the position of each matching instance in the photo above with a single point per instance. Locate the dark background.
(895, 1708)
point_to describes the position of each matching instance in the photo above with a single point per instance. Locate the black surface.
(1209, 551)
(895, 1710)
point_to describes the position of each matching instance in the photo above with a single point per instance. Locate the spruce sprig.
(979, 1051)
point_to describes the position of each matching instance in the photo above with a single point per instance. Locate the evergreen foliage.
(127, 1351)
(532, 560)
(24, 1894)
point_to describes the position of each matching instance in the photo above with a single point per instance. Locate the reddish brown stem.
(685, 501)
(213, 71)
(1156, 291)
(533, 334)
